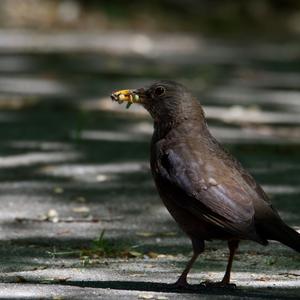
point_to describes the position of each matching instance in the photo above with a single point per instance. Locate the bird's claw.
(180, 285)
(218, 285)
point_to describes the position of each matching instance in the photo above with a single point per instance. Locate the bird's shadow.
(192, 289)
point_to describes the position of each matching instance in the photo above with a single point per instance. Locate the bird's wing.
(207, 191)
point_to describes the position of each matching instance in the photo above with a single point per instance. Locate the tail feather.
(287, 236)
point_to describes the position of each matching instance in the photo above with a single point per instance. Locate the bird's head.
(166, 101)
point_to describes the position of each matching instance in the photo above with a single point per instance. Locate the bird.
(206, 189)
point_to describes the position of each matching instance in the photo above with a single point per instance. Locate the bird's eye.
(159, 91)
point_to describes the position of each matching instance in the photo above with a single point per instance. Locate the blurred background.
(68, 153)
(267, 18)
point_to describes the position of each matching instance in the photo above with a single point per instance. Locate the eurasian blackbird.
(205, 189)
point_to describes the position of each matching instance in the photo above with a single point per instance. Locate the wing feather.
(212, 194)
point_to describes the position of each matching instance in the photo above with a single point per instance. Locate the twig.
(68, 220)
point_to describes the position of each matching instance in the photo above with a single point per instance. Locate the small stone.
(55, 220)
(52, 213)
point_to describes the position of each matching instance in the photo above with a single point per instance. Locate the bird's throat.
(163, 127)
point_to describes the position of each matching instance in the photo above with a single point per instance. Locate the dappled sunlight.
(276, 167)
(101, 135)
(32, 86)
(117, 43)
(94, 173)
(32, 158)
(265, 79)
(240, 115)
(277, 189)
(285, 100)
(74, 165)
(45, 146)
(252, 135)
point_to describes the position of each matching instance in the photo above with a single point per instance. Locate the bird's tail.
(287, 236)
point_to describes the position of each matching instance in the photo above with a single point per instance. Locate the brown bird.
(205, 189)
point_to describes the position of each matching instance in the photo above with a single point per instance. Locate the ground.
(80, 216)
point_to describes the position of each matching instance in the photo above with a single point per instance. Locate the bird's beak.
(129, 96)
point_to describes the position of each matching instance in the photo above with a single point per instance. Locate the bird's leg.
(225, 283)
(232, 245)
(198, 247)
(182, 280)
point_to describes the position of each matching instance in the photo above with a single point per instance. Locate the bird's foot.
(218, 285)
(181, 284)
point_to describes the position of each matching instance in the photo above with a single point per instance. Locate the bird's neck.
(192, 121)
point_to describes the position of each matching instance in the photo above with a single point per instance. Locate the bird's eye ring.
(159, 91)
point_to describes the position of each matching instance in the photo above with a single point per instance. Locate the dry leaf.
(81, 209)
(58, 190)
(145, 234)
(152, 254)
(80, 199)
(135, 253)
(171, 233)
(20, 279)
(145, 296)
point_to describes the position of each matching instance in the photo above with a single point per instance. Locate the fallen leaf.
(165, 256)
(135, 253)
(55, 280)
(81, 209)
(152, 254)
(39, 268)
(263, 279)
(145, 296)
(287, 274)
(145, 234)
(62, 279)
(171, 233)
(63, 232)
(20, 279)
(58, 190)
(80, 199)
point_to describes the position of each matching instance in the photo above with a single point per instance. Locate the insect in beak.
(129, 96)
